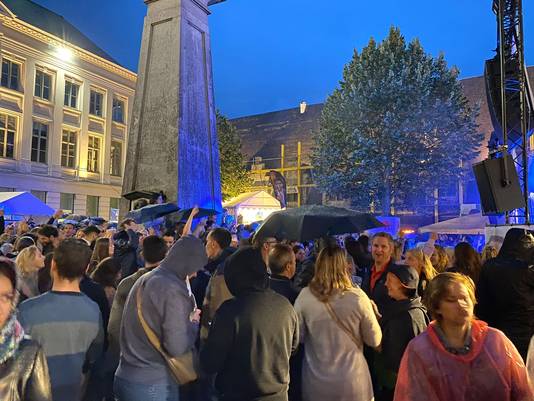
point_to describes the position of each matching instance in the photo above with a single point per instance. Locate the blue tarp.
(23, 204)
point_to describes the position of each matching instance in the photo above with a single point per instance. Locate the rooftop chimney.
(303, 107)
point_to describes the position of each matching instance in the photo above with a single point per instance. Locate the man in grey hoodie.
(170, 310)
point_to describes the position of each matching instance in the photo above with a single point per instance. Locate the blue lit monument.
(172, 143)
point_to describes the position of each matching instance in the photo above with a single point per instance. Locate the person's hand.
(200, 228)
(151, 231)
(195, 316)
(375, 309)
(434, 236)
(195, 211)
(58, 214)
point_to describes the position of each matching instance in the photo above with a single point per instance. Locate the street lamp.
(64, 54)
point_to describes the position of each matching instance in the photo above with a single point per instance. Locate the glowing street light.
(64, 54)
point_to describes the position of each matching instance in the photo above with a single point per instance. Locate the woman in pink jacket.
(459, 358)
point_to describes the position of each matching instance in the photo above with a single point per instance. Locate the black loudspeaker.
(495, 197)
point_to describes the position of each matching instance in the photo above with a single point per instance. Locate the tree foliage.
(398, 126)
(234, 177)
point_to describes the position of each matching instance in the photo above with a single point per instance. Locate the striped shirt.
(68, 325)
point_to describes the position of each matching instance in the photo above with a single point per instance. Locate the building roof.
(262, 134)
(48, 21)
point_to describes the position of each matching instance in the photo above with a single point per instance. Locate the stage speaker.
(495, 196)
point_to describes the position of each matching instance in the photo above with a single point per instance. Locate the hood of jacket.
(246, 271)
(397, 307)
(187, 256)
(518, 244)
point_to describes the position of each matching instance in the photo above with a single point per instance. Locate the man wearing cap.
(403, 320)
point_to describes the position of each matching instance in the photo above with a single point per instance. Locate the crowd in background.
(102, 313)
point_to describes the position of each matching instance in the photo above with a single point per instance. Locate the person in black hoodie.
(505, 289)
(405, 319)
(252, 336)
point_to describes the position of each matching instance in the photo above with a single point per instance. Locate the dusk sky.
(272, 54)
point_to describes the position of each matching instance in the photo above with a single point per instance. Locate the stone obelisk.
(172, 143)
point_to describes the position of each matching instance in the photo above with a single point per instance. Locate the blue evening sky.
(272, 54)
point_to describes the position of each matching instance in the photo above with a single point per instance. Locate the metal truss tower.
(512, 97)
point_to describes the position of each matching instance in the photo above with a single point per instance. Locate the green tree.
(397, 127)
(235, 178)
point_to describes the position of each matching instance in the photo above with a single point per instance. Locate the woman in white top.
(336, 320)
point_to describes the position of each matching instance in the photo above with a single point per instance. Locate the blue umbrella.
(152, 212)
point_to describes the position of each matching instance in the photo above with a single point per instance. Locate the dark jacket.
(283, 286)
(167, 308)
(252, 336)
(379, 294)
(305, 273)
(505, 290)
(97, 294)
(403, 321)
(24, 377)
(127, 254)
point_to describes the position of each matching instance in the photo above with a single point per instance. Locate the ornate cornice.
(51, 40)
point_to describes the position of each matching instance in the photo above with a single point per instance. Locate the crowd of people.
(190, 312)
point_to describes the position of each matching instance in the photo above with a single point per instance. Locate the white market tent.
(23, 204)
(463, 225)
(252, 206)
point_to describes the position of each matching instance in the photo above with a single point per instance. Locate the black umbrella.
(315, 221)
(152, 212)
(184, 213)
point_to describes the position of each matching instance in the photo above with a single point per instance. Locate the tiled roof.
(262, 134)
(55, 24)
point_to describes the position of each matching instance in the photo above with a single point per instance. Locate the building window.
(71, 94)
(43, 83)
(93, 154)
(66, 202)
(95, 105)
(114, 209)
(92, 205)
(39, 142)
(10, 74)
(118, 110)
(8, 130)
(68, 149)
(115, 167)
(41, 195)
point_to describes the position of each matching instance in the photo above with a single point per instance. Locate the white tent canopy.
(463, 225)
(23, 204)
(252, 206)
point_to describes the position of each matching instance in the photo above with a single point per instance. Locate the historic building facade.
(64, 112)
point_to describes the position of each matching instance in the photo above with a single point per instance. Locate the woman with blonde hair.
(416, 259)
(459, 357)
(29, 261)
(439, 259)
(336, 320)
